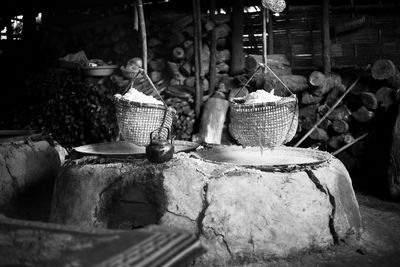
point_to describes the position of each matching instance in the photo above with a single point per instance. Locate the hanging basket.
(276, 6)
(136, 120)
(266, 124)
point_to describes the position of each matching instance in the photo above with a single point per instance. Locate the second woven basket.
(267, 124)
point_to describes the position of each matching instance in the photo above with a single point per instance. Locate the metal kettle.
(159, 151)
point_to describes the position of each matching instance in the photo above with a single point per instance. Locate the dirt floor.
(379, 244)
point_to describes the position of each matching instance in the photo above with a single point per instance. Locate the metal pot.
(159, 150)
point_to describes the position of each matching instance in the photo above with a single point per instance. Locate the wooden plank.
(325, 37)
(213, 51)
(361, 36)
(197, 56)
(236, 66)
(349, 25)
(270, 32)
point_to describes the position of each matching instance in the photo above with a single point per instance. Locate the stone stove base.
(241, 215)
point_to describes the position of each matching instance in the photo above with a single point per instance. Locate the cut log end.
(178, 53)
(363, 114)
(369, 100)
(319, 135)
(340, 126)
(316, 78)
(308, 98)
(383, 69)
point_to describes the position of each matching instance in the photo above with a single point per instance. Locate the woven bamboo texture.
(267, 124)
(137, 120)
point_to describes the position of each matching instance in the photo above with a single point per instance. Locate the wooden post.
(264, 35)
(197, 56)
(326, 42)
(143, 33)
(29, 27)
(270, 48)
(394, 162)
(9, 30)
(237, 62)
(135, 18)
(213, 51)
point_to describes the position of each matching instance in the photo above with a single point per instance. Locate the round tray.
(285, 158)
(68, 64)
(124, 148)
(99, 70)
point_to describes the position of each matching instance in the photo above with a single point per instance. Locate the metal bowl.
(106, 70)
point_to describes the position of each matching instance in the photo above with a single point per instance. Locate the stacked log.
(171, 41)
(368, 110)
(276, 76)
(384, 69)
(76, 111)
(184, 120)
(344, 123)
(387, 97)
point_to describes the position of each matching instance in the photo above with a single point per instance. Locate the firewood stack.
(171, 62)
(366, 109)
(348, 120)
(75, 111)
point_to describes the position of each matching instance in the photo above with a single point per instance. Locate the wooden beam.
(326, 41)
(9, 29)
(237, 18)
(197, 56)
(264, 35)
(394, 162)
(344, 7)
(213, 51)
(142, 33)
(270, 33)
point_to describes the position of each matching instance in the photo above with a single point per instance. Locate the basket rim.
(144, 105)
(284, 100)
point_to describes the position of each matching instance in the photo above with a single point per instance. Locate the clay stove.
(244, 211)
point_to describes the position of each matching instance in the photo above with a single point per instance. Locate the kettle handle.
(168, 131)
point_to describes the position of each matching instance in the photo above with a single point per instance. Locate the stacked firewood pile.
(171, 48)
(368, 103)
(362, 118)
(75, 111)
(351, 118)
(184, 120)
(171, 62)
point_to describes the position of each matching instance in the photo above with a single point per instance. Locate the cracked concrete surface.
(241, 215)
(202, 213)
(22, 167)
(248, 215)
(319, 186)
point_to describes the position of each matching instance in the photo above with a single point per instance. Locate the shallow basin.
(265, 158)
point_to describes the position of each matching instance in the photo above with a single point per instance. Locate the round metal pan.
(266, 159)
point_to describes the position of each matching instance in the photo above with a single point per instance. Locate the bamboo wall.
(297, 34)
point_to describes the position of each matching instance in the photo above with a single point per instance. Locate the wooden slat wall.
(298, 36)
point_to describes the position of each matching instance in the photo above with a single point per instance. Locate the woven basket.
(137, 120)
(268, 124)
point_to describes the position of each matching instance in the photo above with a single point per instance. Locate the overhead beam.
(237, 62)
(270, 33)
(213, 51)
(197, 56)
(326, 41)
(345, 7)
(143, 34)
